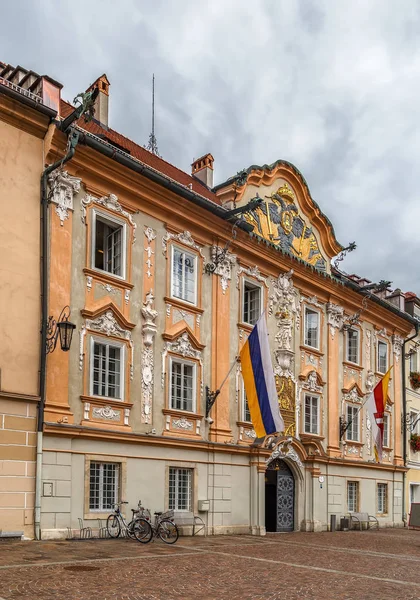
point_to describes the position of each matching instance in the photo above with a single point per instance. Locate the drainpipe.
(404, 417)
(73, 138)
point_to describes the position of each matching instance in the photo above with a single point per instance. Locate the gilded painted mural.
(286, 395)
(277, 219)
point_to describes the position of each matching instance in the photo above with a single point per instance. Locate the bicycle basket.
(169, 514)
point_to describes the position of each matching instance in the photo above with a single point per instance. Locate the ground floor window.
(382, 498)
(103, 485)
(180, 489)
(352, 496)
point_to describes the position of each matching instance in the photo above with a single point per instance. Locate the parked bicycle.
(163, 526)
(138, 528)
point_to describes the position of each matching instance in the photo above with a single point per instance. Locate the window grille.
(352, 433)
(252, 303)
(183, 275)
(180, 489)
(182, 385)
(108, 246)
(311, 414)
(382, 498)
(352, 496)
(311, 328)
(103, 489)
(106, 370)
(353, 346)
(382, 357)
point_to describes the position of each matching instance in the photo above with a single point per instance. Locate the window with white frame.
(311, 416)
(382, 498)
(184, 275)
(353, 346)
(352, 418)
(246, 415)
(182, 385)
(413, 361)
(108, 245)
(103, 485)
(180, 489)
(352, 496)
(382, 357)
(252, 302)
(386, 439)
(311, 328)
(415, 422)
(107, 369)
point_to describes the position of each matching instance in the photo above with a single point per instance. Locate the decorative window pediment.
(111, 203)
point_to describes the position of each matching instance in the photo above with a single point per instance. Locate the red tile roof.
(146, 157)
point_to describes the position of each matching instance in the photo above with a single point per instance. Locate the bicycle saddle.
(158, 513)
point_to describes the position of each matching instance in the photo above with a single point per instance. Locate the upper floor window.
(311, 328)
(413, 361)
(386, 439)
(353, 346)
(352, 414)
(382, 357)
(415, 422)
(246, 415)
(184, 275)
(108, 245)
(252, 303)
(311, 414)
(182, 385)
(107, 370)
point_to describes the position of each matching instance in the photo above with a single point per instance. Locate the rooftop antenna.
(152, 145)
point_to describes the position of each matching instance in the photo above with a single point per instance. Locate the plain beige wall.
(20, 171)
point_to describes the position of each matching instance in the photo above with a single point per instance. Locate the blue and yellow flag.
(260, 386)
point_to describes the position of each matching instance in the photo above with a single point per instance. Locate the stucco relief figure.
(278, 220)
(284, 336)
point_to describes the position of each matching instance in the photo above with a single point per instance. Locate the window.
(180, 489)
(109, 246)
(103, 485)
(382, 496)
(311, 328)
(382, 357)
(353, 346)
(352, 496)
(352, 433)
(251, 303)
(184, 275)
(107, 370)
(413, 361)
(246, 415)
(182, 385)
(415, 422)
(311, 414)
(386, 431)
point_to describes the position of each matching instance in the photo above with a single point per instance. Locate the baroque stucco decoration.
(185, 238)
(278, 220)
(111, 203)
(62, 189)
(397, 343)
(335, 317)
(183, 347)
(284, 304)
(149, 329)
(109, 326)
(284, 450)
(150, 235)
(253, 272)
(223, 264)
(106, 412)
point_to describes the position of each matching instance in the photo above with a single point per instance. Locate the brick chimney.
(202, 169)
(102, 100)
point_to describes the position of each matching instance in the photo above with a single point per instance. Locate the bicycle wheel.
(168, 531)
(142, 530)
(113, 526)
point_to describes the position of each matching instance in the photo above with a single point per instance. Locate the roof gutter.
(137, 166)
(28, 101)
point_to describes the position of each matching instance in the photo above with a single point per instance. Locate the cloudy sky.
(329, 85)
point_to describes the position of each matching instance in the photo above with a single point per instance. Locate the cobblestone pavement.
(366, 565)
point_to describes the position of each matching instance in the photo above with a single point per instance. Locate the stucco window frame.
(317, 348)
(107, 217)
(257, 285)
(319, 411)
(197, 269)
(101, 458)
(359, 340)
(359, 414)
(123, 365)
(386, 344)
(196, 374)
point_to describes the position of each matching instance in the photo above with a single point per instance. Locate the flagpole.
(212, 396)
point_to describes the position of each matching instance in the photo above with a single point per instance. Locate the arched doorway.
(279, 497)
